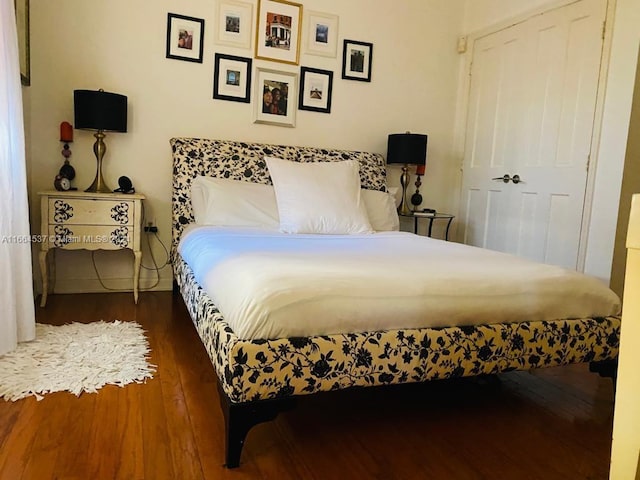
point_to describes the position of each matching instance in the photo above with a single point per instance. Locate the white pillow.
(224, 202)
(393, 191)
(319, 197)
(381, 210)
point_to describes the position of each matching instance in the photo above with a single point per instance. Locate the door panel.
(560, 238)
(532, 99)
(528, 236)
(494, 231)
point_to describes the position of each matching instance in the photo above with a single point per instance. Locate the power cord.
(166, 252)
(155, 267)
(95, 268)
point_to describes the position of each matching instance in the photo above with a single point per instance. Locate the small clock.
(61, 183)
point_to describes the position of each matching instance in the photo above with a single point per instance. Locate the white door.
(531, 111)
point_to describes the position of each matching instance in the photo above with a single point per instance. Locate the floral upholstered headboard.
(193, 157)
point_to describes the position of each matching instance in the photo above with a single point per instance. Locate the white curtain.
(17, 315)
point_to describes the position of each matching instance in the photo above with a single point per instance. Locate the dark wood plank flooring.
(552, 424)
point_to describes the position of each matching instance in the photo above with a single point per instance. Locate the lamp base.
(99, 149)
(97, 187)
(403, 208)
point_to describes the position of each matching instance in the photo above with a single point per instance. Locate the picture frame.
(278, 31)
(321, 34)
(24, 47)
(185, 38)
(235, 23)
(357, 58)
(275, 97)
(232, 78)
(316, 88)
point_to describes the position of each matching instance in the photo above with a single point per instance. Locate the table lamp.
(100, 111)
(406, 149)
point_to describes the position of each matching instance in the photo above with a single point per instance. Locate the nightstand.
(430, 218)
(90, 221)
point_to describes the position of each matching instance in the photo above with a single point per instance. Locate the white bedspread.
(272, 285)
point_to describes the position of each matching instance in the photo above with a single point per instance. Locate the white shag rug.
(77, 357)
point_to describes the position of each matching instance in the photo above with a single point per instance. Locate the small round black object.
(125, 184)
(67, 171)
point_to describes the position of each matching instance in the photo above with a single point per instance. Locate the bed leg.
(239, 418)
(606, 369)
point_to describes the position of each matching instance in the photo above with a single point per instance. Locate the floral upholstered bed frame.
(254, 374)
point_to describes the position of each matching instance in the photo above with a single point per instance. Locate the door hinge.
(588, 161)
(604, 28)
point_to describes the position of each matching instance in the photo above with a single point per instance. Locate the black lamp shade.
(407, 148)
(99, 110)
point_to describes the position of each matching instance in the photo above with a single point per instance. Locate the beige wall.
(623, 35)
(120, 46)
(630, 185)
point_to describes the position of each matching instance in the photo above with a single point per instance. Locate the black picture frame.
(232, 85)
(357, 60)
(316, 90)
(190, 46)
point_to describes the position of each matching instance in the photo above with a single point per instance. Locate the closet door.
(530, 122)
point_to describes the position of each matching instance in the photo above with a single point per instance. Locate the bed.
(262, 369)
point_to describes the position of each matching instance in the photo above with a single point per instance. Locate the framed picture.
(275, 97)
(22, 20)
(232, 78)
(185, 37)
(321, 34)
(235, 22)
(278, 31)
(315, 90)
(356, 60)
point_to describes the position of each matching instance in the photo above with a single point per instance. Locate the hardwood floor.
(553, 424)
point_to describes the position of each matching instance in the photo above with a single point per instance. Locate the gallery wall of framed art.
(257, 50)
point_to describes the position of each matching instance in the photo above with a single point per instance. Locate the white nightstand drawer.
(91, 237)
(75, 220)
(71, 211)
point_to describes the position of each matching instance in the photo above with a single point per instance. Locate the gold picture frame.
(22, 21)
(278, 31)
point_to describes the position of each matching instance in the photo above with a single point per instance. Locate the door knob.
(505, 178)
(516, 178)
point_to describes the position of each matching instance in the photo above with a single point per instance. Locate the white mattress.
(272, 285)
